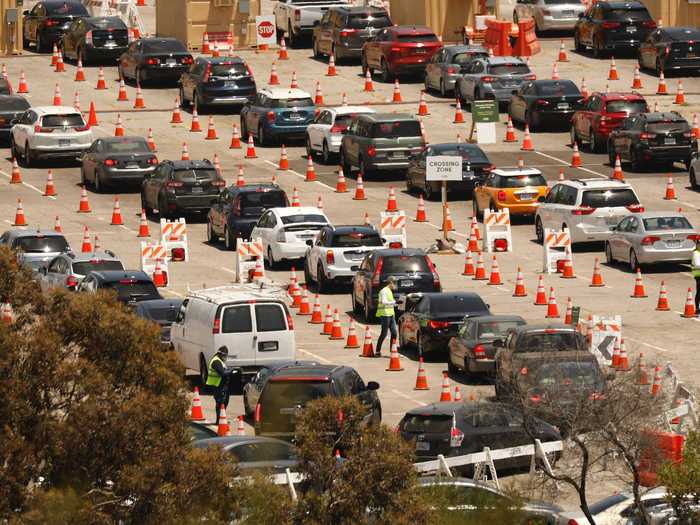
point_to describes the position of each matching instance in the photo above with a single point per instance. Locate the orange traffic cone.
(421, 377)
(79, 73)
(394, 359)
(555, 72)
(391, 204)
(359, 189)
(211, 130)
(20, 219)
(50, 191)
(240, 429)
(584, 88)
(195, 127)
(87, 245)
(116, 213)
(656, 386)
(540, 297)
(16, 175)
(695, 130)
(480, 273)
(527, 141)
(139, 103)
(642, 371)
(57, 225)
(445, 394)
(284, 161)
(475, 227)
(473, 245)
(689, 310)
(367, 345)
(274, 79)
(612, 74)
(423, 105)
(597, 279)
(447, 224)
(561, 175)
(562, 53)
(185, 155)
(420, 212)
(240, 178)
(294, 83)
(282, 53)
(352, 341)
(149, 140)
(519, 285)
(662, 304)
(327, 321)
(206, 48)
(318, 97)
(223, 428)
(159, 276)
(340, 185)
(295, 294)
(615, 359)
(22, 88)
(310, 171)
(250, 151)
(638, 286)
(143, 225)
(92, 116)
(60, 66)
(680, 94)
(495, 277)
(196, 413)
(119, 129)
(235, 138)
(296, 203)
(369, 85)
(468, 264)
(568, 271)
(510, 131)
(459, 116)
(624, 363)
(336, 328)
(84, 206)
(670, 190)
(637, 81)
(57, 96)
(122, 96)
(259, 270)
(316, 315)
(552, 309)
(331, 72)
(304, 306)
(177, 116)
(617, 171)
(662, 89)
(101, 84)
(576, 158)
(396, 98)
(569, 315)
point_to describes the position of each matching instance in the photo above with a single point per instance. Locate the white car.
(49, 132)
(286, 233)
(590, 208)
(325, 133)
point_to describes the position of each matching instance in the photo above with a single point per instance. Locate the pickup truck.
(296, 18)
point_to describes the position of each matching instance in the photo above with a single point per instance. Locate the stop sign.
(266, 29)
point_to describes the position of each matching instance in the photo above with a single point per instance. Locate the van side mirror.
(372, 385)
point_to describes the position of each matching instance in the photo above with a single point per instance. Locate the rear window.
(83, 268)
(270, 318)
(40, 244)
(632, 13)
(164, 46)
(456, 305)
(666, 223)
(251, 452)
(465, 58)
(609, 198)
(362, 21)
(192, 175)
(13, 104)
(494, 329)
(66, 8)
(468, 153)
(405, 264)
(668, 126)
(568, 375)
(521, 181)
(626, 106)
(429, 424)
(263, 199)
(425, 37)
(127, 146)
(557, 89)
(133, 290)
(162, 315)
(236, 320)
(392, 130)
(304, 217)
(228, 69)
(289, 393)
(289, 102)
(548, 342)
(349, 240)
(509, 69)
(59, 121)
(108, 23)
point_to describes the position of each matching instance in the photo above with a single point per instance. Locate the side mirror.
(14, 121)
(541, 198)
(25, 12)
(498, 343)
(372, 385)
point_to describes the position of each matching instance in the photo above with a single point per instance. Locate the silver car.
(448, 64)
(34, 247)
(69, 269)
(549, 14)
(652, 237)
(492, 78)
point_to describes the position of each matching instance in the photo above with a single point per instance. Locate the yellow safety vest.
(213, 377)
(385, 304)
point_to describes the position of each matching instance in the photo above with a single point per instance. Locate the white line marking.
(408, 398)
(647, 344)
(317, 357)
(564, 163)
(27, 185)
(300, 175)
(229, 270)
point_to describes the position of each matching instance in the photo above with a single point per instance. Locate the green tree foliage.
(683, 482)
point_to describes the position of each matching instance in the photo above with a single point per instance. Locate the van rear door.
(236, 332)
(274, 337)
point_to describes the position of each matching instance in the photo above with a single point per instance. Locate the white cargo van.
(252, 321)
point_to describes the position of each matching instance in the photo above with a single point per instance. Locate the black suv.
(96, 38)
(238, 208)
(610, 26)
(217, 81)
(671, 48)
(179, 186)
(45, 24)
(412, 267)
(344, 29)
(131, 286)
(653, 137)
(289, 389)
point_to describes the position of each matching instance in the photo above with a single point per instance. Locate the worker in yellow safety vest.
(385, 312)
(218, 379)
(695, 271)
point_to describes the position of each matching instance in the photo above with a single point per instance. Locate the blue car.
(277, 115)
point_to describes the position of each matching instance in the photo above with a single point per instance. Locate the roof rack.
(263, 291)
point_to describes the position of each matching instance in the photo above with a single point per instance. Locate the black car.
(430, 320)
(475, 166)
(290, 388)
(238, 209)
(478, 424)
(612, 26)
(155, 59)
(180, 186)
(115, 161)
(411, 266)
(653, 137)
(11, 108)
(131, 286)
(45, 24)
(541, 102)
(95, 39)
(217, 81)
(343, 30)
(255, 452)
(199, 431)
(162, 312)
(253, 388)
(671, 48)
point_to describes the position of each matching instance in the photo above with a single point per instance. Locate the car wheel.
(309, 149)
(634, 262)
(598, 50)
(183, 101)
(13, 149)
(326, 154)
(386, 73)
(608, 254)
(693, 179)
(355, 306)
(99, 186)
(317, 53)
(271, 262)
(308, 280)
(451, 368)
(199, 103)
(594, 142)
(144, 201)
(366, 172)
(28, 156)
(539, 230)
(409, 183)
(577, 43)
(323, 283)
(443, 92)
(574, 137)
(244, 130)
(230, 242)
(365, 67)
(347, 167)
(211, 236)
(262, 140)
(203, 371)
(428, 191)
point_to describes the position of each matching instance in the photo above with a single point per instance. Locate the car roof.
(221, 60)
(447, 408)
(516, 172)
(117, 275)
(96, 19)
(254, 188)
(655, 214)
(87, 257)
(14, 96)
(300, 371)
(160, 303)
(283, 93)
(381, 117)
(297, 210)
(190, 164)
(227, 441)
(159, 39)
(594, 184)
(460, 48)
(661, 116)
(352, 9)
(541, 327)
(350, 228)
(349, 110)
(677, 33)
(550, 81)
(492, 318)
(54, 110)
(618, 95)
(27, 232)
(439, 295)
(232, 293)
(411, 30)
(397, 252)
(502, 60)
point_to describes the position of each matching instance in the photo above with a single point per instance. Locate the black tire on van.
(203, 370)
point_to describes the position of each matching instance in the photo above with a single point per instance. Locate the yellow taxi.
(517, 189)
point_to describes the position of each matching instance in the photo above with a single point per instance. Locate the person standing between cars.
(218, 378)
(695, 271)
(385, 312)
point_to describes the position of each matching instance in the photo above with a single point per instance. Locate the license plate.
(422, 445)
(296, 116)
(563, 105)
(527, 196)
(307, 235)
(669, 140)
(631, 29)
(230, 84)
(171, 62)
(567, 13)
(64, 142)
(673, 243)
(356, 256)
(197, 189)
(397, 154)
(467, 174)
(110, 43)
(406, 283)
(132, 165)
(690, 55)
(421, 51)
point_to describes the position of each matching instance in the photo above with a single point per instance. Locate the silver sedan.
(652, 237)
(549, 14)
(448, 64)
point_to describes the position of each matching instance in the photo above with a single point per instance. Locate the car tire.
(443, 92)
(203, 371)
(692, 178)
(451, 368)
(262, 140)
(609, 255)
(198, 102)
(308, 280)
(144, 204)
(40, 47)
(355, 306)
(578, 47)
(611, 154)
(409, 183)
(594, 143)
(184, 103)
(367, 310)
(574, 138)
(326, 153)
(637, 163)
(97, 183)
(271, 262)
(244, 130)
(314, 47)
(366, 172)
(365, 67)
(539, 230)
(211, 236)
(29, 159)
(322, 283)
(14, 152)
(387, 76)
(634, 262)
(347, 167)
(598, 50)
(231, 243)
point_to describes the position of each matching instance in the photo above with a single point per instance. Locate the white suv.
(588, 207)
(325, 133)
(49, 131)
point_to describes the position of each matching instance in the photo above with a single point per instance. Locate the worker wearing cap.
(695, 271)
(385, 312)
(218, 378)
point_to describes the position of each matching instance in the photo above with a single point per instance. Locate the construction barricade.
(220, 40)
(152, 254)
(497, 37)
(557, 247)
(602, 336)
(173, 235)
(497, 233)
(526, 44)
(392, 228)
(247, 254)
(660, 447)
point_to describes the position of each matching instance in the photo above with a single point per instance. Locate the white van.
(254, 322)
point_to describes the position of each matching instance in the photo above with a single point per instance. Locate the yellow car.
(517, 189)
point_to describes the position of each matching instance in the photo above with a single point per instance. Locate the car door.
(482, 193)
(151, 185)
(325, 32)
(616, 239)
(630, 238)
(254, 112)
(549, 212)
(359, 283)
(317, 252)
(352, 146)
(68, 40)
(584, 125)
(236, 321)
(375, 49)
(409, 322)
(263, 229)
(20, 130)
(433, 69)
(463, 342)
(89, 160)
(220, 211)
(416, 168)
(472, 78)
(33, 19)
(273, 339)
(50, 276)
(517, 102)
(317, 130)
(625, 137)
(355, 386)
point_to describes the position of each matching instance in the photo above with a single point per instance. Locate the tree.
(682, 481)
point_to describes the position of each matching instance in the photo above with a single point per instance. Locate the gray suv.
(380, 141)
(492, 78)
(34, 248)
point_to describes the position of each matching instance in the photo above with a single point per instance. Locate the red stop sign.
(266, 29)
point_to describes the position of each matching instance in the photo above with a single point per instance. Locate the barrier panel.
(222, 39)
(247, 253)
(173, 235)
(556, 244)
(152, 252)
(603, 333)
(497, 232)
(392, 227)
(527, 44)
(662, 447)
(497, 37)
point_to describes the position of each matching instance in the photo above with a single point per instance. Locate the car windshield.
(263, 199)
(557, 89)
(666, 223)
(626, 106)
(552, 341)
(494, 329)
(350, 240)
(285, 393)
(196, 174)
(262, 451)
(634, 14)
(467, 152)
(399, 128)
(428, 423)
(508, 69)
(521, 181)
(609, 198)
(569, 375)
(137, 145)
(164, 46)
(59, 121)
(41, 244)
(228, 69)
(66, 8)
(465, 58)
(405, 264)
(668, 126)
(83, 268)
(425, 37)
(290, 102)
(160, 314)
(108, 23)
(304, 217)
(451, 305)
(363, 20)
(13, 104)
(133, 289)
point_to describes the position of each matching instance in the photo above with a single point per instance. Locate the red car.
(602, 113)
(399, 50)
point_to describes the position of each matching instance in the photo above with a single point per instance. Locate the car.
(647, 138)
(336, 254)
(116, 162)
(602, 113)
(254, 322)
(96, 39)
(611, 26)
(162, 312)
(254, 387)
(541, 102)
(295, 19)
(430, 320)
(670, 49)
(411, 266)
(492, 78)
(286, 233)
(476, 166)
(255, 452)
(45, 24)
(693, 172)
(399, 50)
(652, 237)
(34, 248)
(325, 133)
(154, 59)
(289, 389)
(181, 186)
(277, 114)
(68, 269)
(12, 107)
(476, 424)
(517, 190)
(589, 208)
(199, 431)
(238, 209)
(130, 286)
(220, 81)
(448, 64)
(471, 350)
(343, 30)
(44, 132)
(549, 14)
(380, 142)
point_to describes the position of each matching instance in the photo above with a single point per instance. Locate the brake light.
(153, 61)
(611, 25)
(82, 128)
(270, 116)
(39, 129)
(371, 151)
(438, 324)
(219, 183)
(174, 184)
(451, 70)
(258, 418)
(395, 245)
(433, 270)
(216, 327)
(88, 37)
(635, 208)
(153, 161)
(542, 102)
(188, 60)
(110, 162)
(297, 15)
(377, 272)
(531, 77)
(584, 210)
(501, 196)
(572, 522)
(523, 371)
(71, 281)
(649, 23)
(647, 136)
(338, 128)
(694, 237)
(207, 73)
(330, 257)
(649, 240)
(535, 398)
(290, 321)
(396, 50)
(52, 22)
(487, 79)
(479, 352)
(348, 32)
(128, 281)
(688, 135)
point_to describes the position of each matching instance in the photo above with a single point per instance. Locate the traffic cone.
(16, 175)
(643, 377)
(638, 286)
(22, 88)
(318, 97)
(576, 157)
(459, 116)
(57, 96)
(369, 85)
(284, 161)
(352, 341)
(295, 294)
(158, 276)
(562, 53)
(695, 131)
(122, 96)
(662, 304)
(568, 271)
(510, 131)
(119, 129)
(319, 202)
(689, 310)
(447, 224)
(87, 245)
(116, 213)
(624, 364)
(195, 127)
(240, 429)
(316, 315)
(250, 151)
(421, 378)
(519, 285)
(569, 315)
(680, 94)
(295, 198)
(295, 83)
(336, 328)
(274, 79)
(310, 171)
(670, 190)
(552, 310)
(359, 189)
(327, 321)
(423, 105)
(60, 66)
(240, 178)
(293, 281)
(79, 73)
(480, 273)
(50, 190)
(540, 297)
(92, 116)
(143, 225)
(420, 212)
(555, 72)
(196, 413)
(612, 74)
(101, 84)
(584, 88)
(468, 264)
(561, 175)
(331, 72)
(661, 88)
(259, 271)
(282, 53)
(217, 164)
(84, 205)
(615, 359)
(223, 428)
(391, 204)
(617, 171)
(458, 394)
(396, 98)
(656, 386)
(211, 130)
(475, 228)
(139, 103)
(235, 138)
(637, 81)
(177, 116)
(57, 225)
(185, 155)
(527, 141)
(341, 185)
(597, 279)
(445, 394)
(367, 345)
(394, 359)
(206, 49)
(149, 140)
(76, 101)
(20, 219)
(495, 277)
(304, 306)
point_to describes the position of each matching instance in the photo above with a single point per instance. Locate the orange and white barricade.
(605, 330)
(557, 247)
(392, 227)
(247, 253)
(151, 253)
(497, 234)
(173, 234)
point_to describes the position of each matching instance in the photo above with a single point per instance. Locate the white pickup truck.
(296, 18)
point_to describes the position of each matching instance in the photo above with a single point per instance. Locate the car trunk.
(561, 103)
(107, 38)
(302, 232)
(194, 182)
(525, 364)
(508, 76)
(668, 134)
(131, 161)
(609, 206)
(413, 273)
(418, 51)
(395, 140)
(431, 433)
(684, 49)
(628, 24)
(282, 401)
(166, 59)
(295, 116)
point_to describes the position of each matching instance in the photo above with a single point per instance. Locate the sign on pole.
(265, 30)
(443, 167)
(484, 118)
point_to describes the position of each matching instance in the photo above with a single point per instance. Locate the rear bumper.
(130, 176)
(295, 132)
(340, 273)
(649, 255)
(481, 366)
(408, 68)
(589, 233)
(105, 52)
(563, 115)
(289, 250)
(549, 22)
(682, 63)
(227, 96)
(679, 153)
(163, 73)
(191, 203)
(500, 94)
(624, 43)
(519, 209)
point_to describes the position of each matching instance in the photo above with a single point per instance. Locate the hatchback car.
(253, 388)
(325, 134)
(430, 320)
(222, 81)
(69, 269)
(117, 162)
(343, 30)
(48, 20)
(448, 64)
(255, 452)
(34, 248)
(12, 107)
(412, 267)
(549, 14)
(96, 39)
(277, 114)
(670, 49)
(130, 286)
(517, 190)
(541, 102)
(162, 312)
(492, 78)
(154, 59)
